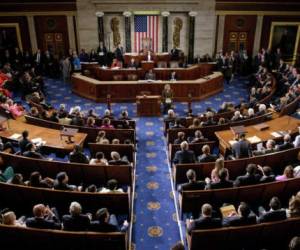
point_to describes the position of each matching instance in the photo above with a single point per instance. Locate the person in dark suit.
(197, 138)
(150, 76)
(30, 151)
(119, 53)
(222, 183)
(117, 160)
(267, 174)
(44, 218)
(77, 156)
(75, 221)
(102, 54)
(242, 148)
(180, 138)
(132, 64)
(61, 182)
(205, 221)
(250, 178)
(192, 183)
(184, 155)
(286, 143)
(106, 222)
(242, 218)
(206, 155)
(175, 53)
(270, 148)
(24, 141)
(274, 214)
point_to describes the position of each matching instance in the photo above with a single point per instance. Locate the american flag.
(145, 27)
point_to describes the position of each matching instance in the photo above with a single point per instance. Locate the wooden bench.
(78, 173)
(22, 198)
(260, 194)
(209, 131)
(277, 161)
(12, 237)
(123, 149)
(121, 134)
(290, 108)
(271, 235)
(196, 147)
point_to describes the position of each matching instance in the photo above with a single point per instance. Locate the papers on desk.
(15, 136)
(278, 134)
(38, 141)
(115, 68)
(254, 139)
(104, 67)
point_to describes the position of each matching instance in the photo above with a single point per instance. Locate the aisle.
(155, 224)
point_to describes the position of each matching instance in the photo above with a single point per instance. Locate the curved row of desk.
(201, 83)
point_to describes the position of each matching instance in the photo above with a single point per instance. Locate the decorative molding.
(165, 13)
(99, 14)
(39, 13)
(260, 13)
(127, 14)
(152, 2)
(193, 13)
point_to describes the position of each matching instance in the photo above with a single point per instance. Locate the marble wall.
(204, 26)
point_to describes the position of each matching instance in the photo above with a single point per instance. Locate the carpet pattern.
(155, 216)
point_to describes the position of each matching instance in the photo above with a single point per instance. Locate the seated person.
(274, 214)
(222, 183)
(180, 138)
(30, 151)
(242, 218)
(6, 174)
(250, 178)
(77, 119)
(206, 155)
(196, 123)
(90, 122)
(116, 159)
(108, 114)
(167, 98)
(296, 142)
(115, 141)
(16, 179)
(75, 221)
(106, 222)
(205, 221)
(219, 165)
(36, 180)
(99, 160)
(116, 64)
(177, 124)
(192, 184)
(34, 112)
(198, 137)
(237, 116)
(173, 76)
(270, 148)
(44, 218)
(294, 207)
(267, 174)
(111, 187)
(101, 136)
(132, 64)
(286, 143)
(150, 76)
(106, 124)
(61, 182)
(9, 218)
(184, 155)
(288, 173)
(24, 141)
(77, 156)
(62, 112)
(124, 115)
(170, 118)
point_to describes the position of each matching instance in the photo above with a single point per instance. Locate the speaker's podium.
(148, 105)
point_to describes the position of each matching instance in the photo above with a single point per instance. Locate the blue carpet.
(155, 219)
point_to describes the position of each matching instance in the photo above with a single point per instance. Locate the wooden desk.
(51, 136)
(283, 123)
(148, 105)
(126, 91)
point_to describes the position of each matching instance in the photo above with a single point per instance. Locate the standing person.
(167, 95)
(102, 54)
(119, 53)
(66, 69)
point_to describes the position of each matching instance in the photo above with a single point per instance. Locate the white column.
(32, 33)
(221, 28)
(71, 34)
(257, 37)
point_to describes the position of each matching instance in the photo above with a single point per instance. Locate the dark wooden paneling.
(258, 5)
(42, 27)
(248, 26)
(267, 23)
(22, 21)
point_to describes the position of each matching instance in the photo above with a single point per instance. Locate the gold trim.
(39, 13)
(17, 27)
(146, 12)
(297, 37)
(257, 13)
